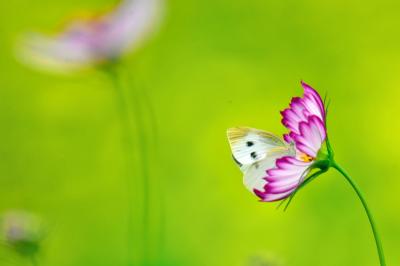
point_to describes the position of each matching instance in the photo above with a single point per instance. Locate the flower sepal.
(324, 157)
(322, 162)
(323, 165)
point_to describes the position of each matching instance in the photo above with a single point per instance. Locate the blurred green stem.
(128, 146)
(139, 100)
(369, 214)
(144, 171)
(160, 194)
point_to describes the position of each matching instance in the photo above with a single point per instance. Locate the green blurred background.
(213, 64)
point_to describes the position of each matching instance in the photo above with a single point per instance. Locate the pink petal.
(292, 116)
(301, 108)
(287, 138)
(283, 179)
(272, 197)
(312, 135)
(316, 99)
(282, 188)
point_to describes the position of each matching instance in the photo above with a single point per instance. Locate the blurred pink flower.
(21, 231)
(88, 42)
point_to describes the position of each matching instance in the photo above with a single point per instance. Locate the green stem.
(128, 147)
(369, 214)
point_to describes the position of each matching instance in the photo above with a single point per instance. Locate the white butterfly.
(256, 151)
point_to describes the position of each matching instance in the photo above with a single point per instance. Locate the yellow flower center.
(306, 158)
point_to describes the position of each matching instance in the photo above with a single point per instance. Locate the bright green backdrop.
(214, 64)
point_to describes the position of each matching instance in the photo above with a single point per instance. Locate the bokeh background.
(213, 64)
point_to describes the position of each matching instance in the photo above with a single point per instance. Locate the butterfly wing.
(256, 151)
(251, 145)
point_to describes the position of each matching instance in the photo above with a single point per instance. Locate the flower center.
(306, 158)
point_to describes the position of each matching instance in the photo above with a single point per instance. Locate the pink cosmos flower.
(87, 42)
(305, 120)
(275, 169)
